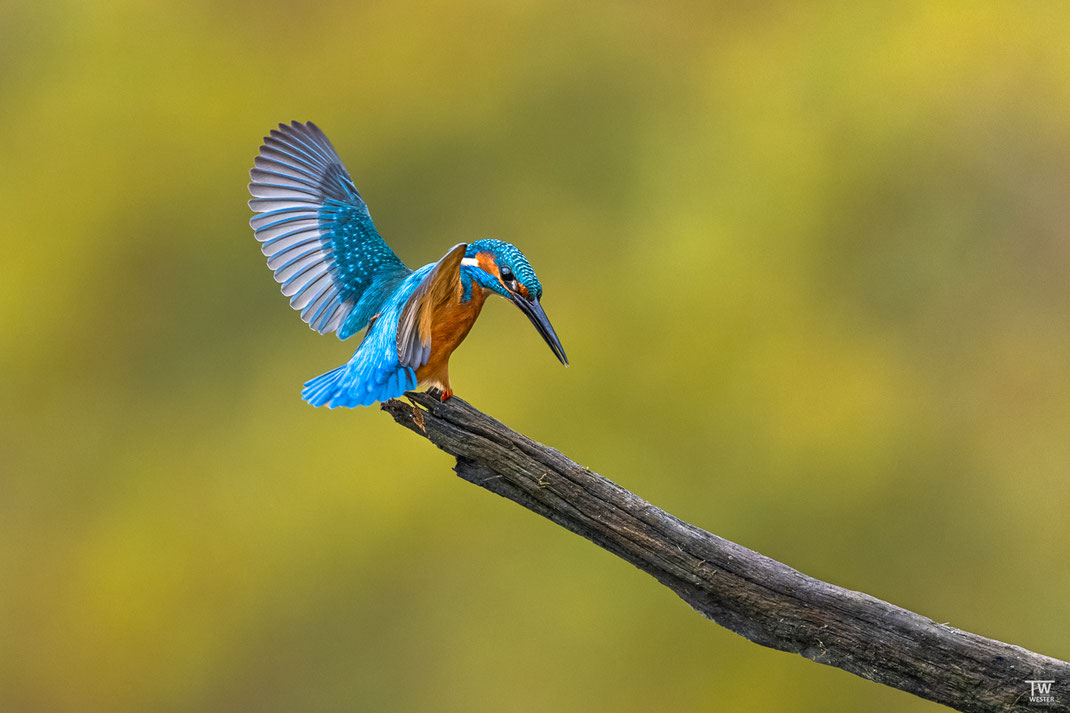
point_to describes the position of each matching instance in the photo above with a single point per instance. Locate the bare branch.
(757, 597)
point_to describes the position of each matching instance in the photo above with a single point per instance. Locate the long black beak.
(534, 312)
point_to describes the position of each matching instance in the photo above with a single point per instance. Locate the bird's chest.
(451, 323)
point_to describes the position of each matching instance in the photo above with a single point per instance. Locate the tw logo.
(1040, 692)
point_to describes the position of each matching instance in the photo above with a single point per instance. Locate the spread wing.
(316, 231)
(438, 287)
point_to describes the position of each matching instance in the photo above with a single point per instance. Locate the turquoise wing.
(375, 372)
(317, 233)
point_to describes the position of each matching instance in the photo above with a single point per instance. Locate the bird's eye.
(507, 276)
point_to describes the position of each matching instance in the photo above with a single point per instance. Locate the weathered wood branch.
(757, 597)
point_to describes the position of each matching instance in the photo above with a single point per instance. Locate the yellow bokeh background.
(810, 263)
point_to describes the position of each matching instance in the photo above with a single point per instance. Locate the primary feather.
(317, 233)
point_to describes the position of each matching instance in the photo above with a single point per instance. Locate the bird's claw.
(440, 394)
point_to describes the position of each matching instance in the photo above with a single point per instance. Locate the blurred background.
(810, 266)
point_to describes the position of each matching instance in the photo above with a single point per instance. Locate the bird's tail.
(349, 385)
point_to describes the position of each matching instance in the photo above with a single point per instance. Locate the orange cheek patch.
(487, 263)
(523, 292)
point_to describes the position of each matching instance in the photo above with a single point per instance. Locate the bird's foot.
(440, 394)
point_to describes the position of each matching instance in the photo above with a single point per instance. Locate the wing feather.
(315, 230)
(287, 228)
(440, 285)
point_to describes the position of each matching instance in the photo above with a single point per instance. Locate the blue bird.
(320, 242)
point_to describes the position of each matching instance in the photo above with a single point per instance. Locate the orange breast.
(450, 325)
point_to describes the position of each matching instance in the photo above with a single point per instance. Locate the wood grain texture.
(757, 597)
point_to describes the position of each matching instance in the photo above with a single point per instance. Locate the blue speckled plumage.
(326, 253)
(317, 233)
(509, 255)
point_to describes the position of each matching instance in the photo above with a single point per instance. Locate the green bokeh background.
(810, 263)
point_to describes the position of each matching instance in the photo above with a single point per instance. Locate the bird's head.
(501, 267)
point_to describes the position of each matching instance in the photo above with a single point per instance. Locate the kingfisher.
(339, 273)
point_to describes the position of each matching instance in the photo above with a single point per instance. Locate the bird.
(324, 250)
